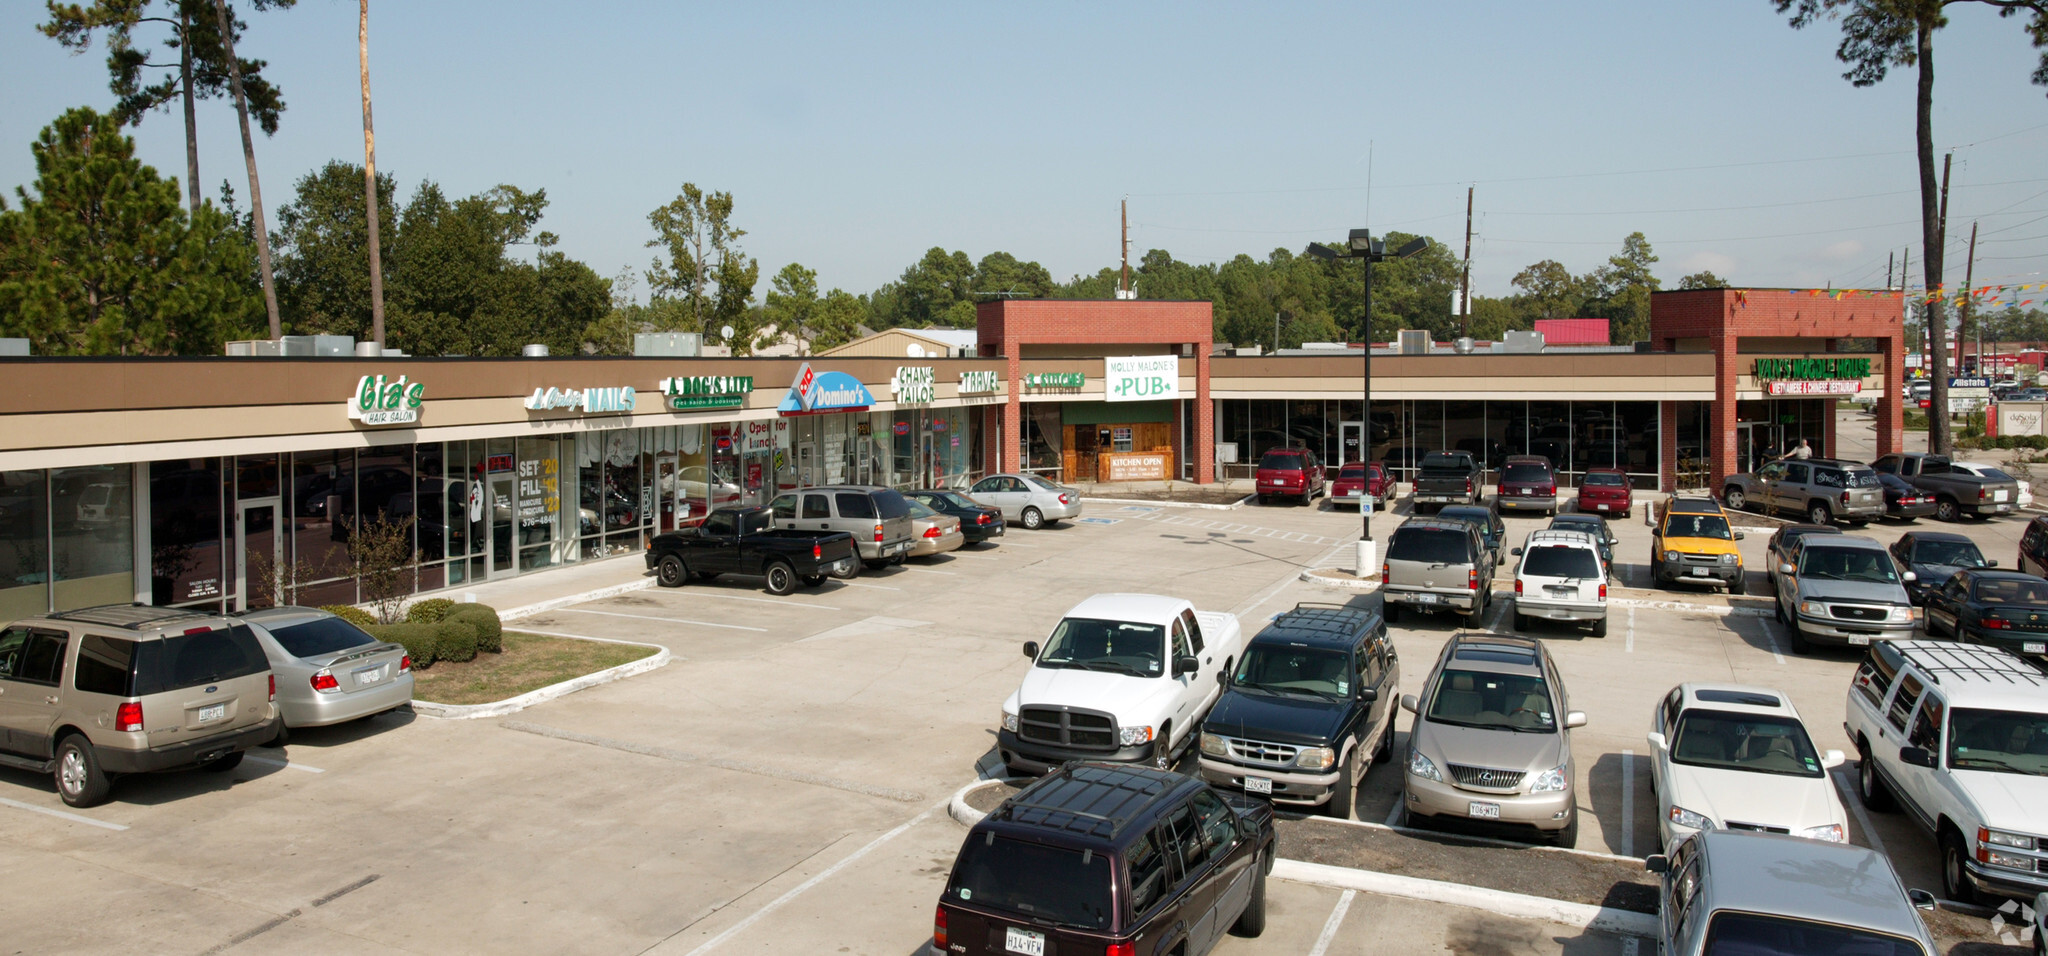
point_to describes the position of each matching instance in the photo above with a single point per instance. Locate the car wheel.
(671, 573)
(813, 580)
(1818, 513)
(1386, 751)
(1569, 836)
(1740, 585)
(781, 580)
(1162, 749)
(1778, 610)
(1799, 642)
(223, 764)
(1869, 786)
(1343, 796)
(1600, 628)
(1252, 921)
(847, 571)
(1928, 625)
(1955, 880)
(1946, 509)
(1734, 498)
(1033, 519)
(80, 781)
(1476, 616)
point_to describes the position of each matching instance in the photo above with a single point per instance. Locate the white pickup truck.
(1957, 735)
(1124, 677)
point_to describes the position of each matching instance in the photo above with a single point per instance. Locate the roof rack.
(1973, 661)
(133, 617)
(1091, 799)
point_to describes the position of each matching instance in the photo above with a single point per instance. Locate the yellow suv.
(1694, 543)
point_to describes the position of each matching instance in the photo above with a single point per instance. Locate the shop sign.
(1826, 387)
(691, 392)
(1055, 380)
(1140, 467)
(914, 384)
(814, 391)
(978, 382)
(1811, 369)
(381, 401)
(902, 428)
(1140, 378)
(589, 401)
(762, 435)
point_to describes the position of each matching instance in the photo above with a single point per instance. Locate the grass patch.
(528, 663)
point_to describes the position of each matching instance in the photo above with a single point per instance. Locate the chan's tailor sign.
(383, 401)
(914, 385)
(1140, 378)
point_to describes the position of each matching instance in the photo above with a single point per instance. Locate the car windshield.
(1560, 561)
(1753, 742)
(1353, 472)
(1600, 480)
(2006, 741)
(321, 635)
(1289, 460)
(1126, 647)
(1287, 669)
(1962, 554)
(1697, 526)
(1592, 526)
(1430, 545)
(1754, 934)
(2027, 592)
(1044, 884)
(1869, 566)
(1492, 700)
(1526, 473)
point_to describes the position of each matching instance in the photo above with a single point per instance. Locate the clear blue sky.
(856, 136)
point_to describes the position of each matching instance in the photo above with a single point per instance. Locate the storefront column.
(1667, 446)
(1891, 406)
(1722, 435)
(1204, 445)
(1011, 442)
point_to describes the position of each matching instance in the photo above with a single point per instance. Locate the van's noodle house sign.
(1811, 376)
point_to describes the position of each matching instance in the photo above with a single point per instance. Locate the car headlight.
(1423, 767)
(2009, 860)
(1832, 833)
(1670, 555)
(1902, 614)
(1133, 736)
(1815, 608)
(2001, 838)
(1680, 816)
(1549, 781)
(1009, 721)
(1728, 559)
(1315, 758)
(1213, 745)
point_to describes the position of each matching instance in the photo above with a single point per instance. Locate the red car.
(1605, 491)
(1290, 473)
(1358, 480)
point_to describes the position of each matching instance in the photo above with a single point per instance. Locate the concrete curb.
(965, 815)
(1339, 578)
(528, 610)
(1239, 503)
(1499, 902)
(512, 705)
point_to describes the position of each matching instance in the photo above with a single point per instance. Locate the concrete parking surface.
(780, 787)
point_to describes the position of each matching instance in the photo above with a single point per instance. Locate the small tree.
(381, 555)
(274, 583)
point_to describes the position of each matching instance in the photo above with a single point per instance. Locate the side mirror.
(1909, 577)
(1921, 899)
(1410, 704)
(1186, 664)
(1222, 679)
(1574, 718)
(1031, 649)
(1657, 863)
(1516, 552)
(1656, 740)
(1991, 564)
(1367, 695)
(1917, 756)
(1739, 535)
(1785, 567)
(1832, 759)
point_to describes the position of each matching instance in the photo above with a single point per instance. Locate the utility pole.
(1889, 257)
(1969, 307)
(370, 181)
(1465, 283)
(1123, 284)
(1937, 324)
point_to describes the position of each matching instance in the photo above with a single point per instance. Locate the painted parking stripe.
(1855, 802)
(1628, 803)
(1330, 926)
(273, 761)
(876, 587)
(700, 592)
(929, 571)
(651, 617)
(1771, 635)
(62, 815)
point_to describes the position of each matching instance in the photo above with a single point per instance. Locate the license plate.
(1697, 572)
(2034, 647)
(1998, 496)
(1258, 785)
(370, 675)
(2001, 509)
(1601, 507)
(1427, 599)
(212, 712)
(1859, 640)
(1528, 491)
(1483, 811)
(1023, 941)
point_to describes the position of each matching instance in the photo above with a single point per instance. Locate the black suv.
(1309, 710)
(1095, 857)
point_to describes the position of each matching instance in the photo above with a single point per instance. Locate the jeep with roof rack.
(1095, 858)
(1309, 709)
(1957, 734)
(129, 688)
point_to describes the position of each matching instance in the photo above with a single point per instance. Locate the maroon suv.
(1290, 473)
(1098, 858)
(1527, 483)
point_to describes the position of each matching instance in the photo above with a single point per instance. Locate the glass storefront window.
(538, 503)
(185, 533)
(322, 496)
(25, 556)
(92, 558)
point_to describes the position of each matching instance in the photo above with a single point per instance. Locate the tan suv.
(86, 695)
(1491, 742)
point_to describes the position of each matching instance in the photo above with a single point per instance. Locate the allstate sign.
(814, 391)
(1141, 378)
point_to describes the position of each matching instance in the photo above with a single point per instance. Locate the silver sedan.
(328, 670)
(1028, 500)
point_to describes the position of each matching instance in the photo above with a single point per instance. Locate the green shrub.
(422, 641)
(455, 641)
(429, 611)
(490, 632)
(353, 615)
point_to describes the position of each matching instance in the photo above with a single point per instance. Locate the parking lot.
(781, 786)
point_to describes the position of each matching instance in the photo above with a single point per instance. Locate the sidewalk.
(567, 584)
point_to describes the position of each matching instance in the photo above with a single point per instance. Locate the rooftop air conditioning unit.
(1414, 341)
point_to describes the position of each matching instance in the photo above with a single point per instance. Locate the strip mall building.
(169, 481)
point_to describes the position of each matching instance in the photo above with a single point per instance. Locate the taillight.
(1518, 585)
(1383, 574)
(128, 717)
(1066, 499)
(1550, 489)
(1845, 497)
(934, 532)
(1603, 592)
(878, 534)
(1983, 493)
(405, 664)
(1996, 624)
(817, 551)
(273, 688)
(1471, 579)
(939, 938)
(324, 681)
(1121, 949)
(1468, 486)
(981, 518)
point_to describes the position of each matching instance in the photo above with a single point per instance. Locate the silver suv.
(87, 695)
(1434, 564)
(877, 517)
(1841, 589)
(1820, 489)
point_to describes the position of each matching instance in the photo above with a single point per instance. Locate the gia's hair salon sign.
(383, 401)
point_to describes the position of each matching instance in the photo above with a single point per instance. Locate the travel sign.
(381, 401)
(979, 382)
(693, 392)
(813, 392)
(1140, 378)
(1810, 369)
(589, 401)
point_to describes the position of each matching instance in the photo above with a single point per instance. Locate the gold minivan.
(91, 694)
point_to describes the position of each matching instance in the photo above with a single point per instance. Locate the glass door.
(257, 550)
(1350, 445)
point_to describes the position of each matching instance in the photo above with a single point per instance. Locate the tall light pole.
(1363, 246)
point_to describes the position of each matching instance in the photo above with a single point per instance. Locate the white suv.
(1560, 578)
(1957, 734)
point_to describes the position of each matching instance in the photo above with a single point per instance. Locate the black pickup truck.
(1448, 478)
(739, 541)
